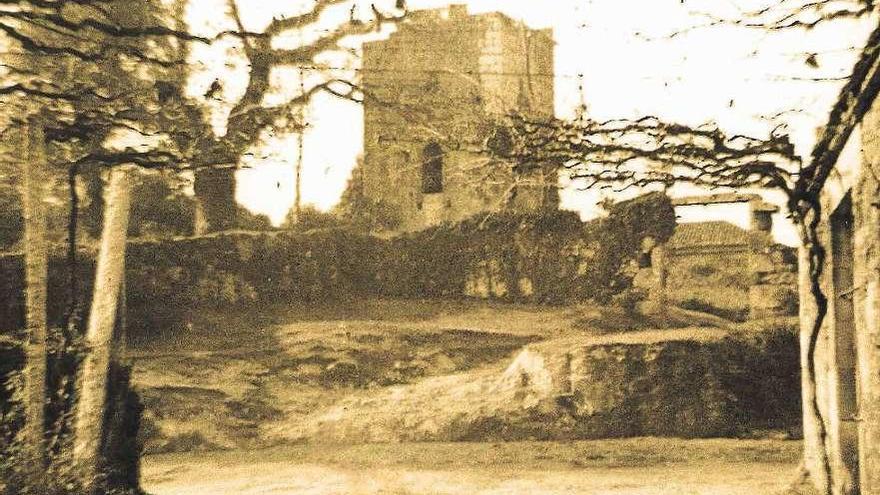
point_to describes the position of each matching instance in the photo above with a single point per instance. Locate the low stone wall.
(726, 386)
(548, 258)
(166, 279)
(749, 283)
(693, 383)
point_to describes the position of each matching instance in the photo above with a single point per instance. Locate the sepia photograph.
(439, 247)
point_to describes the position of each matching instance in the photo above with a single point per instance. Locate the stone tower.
(433, 91)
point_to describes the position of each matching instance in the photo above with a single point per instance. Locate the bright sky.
(615, 49)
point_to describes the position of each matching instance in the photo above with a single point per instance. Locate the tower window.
(432, 169)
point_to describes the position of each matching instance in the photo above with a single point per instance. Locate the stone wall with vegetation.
(552, 257)
(740, 385)
(754, 281)
(167, 278)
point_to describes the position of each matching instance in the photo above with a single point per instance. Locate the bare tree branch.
(638, 153)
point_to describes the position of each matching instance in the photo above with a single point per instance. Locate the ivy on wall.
(551, 258)
(562, 258)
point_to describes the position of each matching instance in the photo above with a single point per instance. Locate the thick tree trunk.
(215, 194)
(90, 412)
(34, 193)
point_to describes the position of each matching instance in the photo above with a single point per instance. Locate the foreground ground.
(358, 371)
(643, 466)
(285, 400)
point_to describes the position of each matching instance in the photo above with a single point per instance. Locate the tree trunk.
(297, 191)
(297, 198)
(36, 270)
(90, 412)
(215, 192)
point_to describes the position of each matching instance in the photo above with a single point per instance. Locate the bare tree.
(638, 153)
(788, 14)
(250, 117)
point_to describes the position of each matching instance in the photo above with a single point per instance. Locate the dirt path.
(616, 467)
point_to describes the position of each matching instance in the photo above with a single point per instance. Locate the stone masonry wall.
(857, 177)
(706, 384)
(441, 79)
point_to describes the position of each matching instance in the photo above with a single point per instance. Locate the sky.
(614, 56)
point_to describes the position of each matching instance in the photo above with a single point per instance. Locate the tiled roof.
(708, 234)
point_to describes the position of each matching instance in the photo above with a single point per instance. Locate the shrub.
(368, 215)
(245, 220)
(310, 218)
(222, 288)
(790, 302)
(617, 241)
(358, 211)
(762, 371)
(11, 220)
(121, 451)
(158, 209)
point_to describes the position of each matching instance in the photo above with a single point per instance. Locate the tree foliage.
(159, 208)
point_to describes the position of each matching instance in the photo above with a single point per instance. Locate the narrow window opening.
(432, 169)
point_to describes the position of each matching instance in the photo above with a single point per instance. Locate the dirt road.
(615, 467)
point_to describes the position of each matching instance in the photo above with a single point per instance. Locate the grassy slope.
(236, 380)
(252, 378)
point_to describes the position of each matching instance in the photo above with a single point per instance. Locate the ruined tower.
(434, 90)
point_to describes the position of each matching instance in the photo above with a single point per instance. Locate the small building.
(722, 258)
(433, 93)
